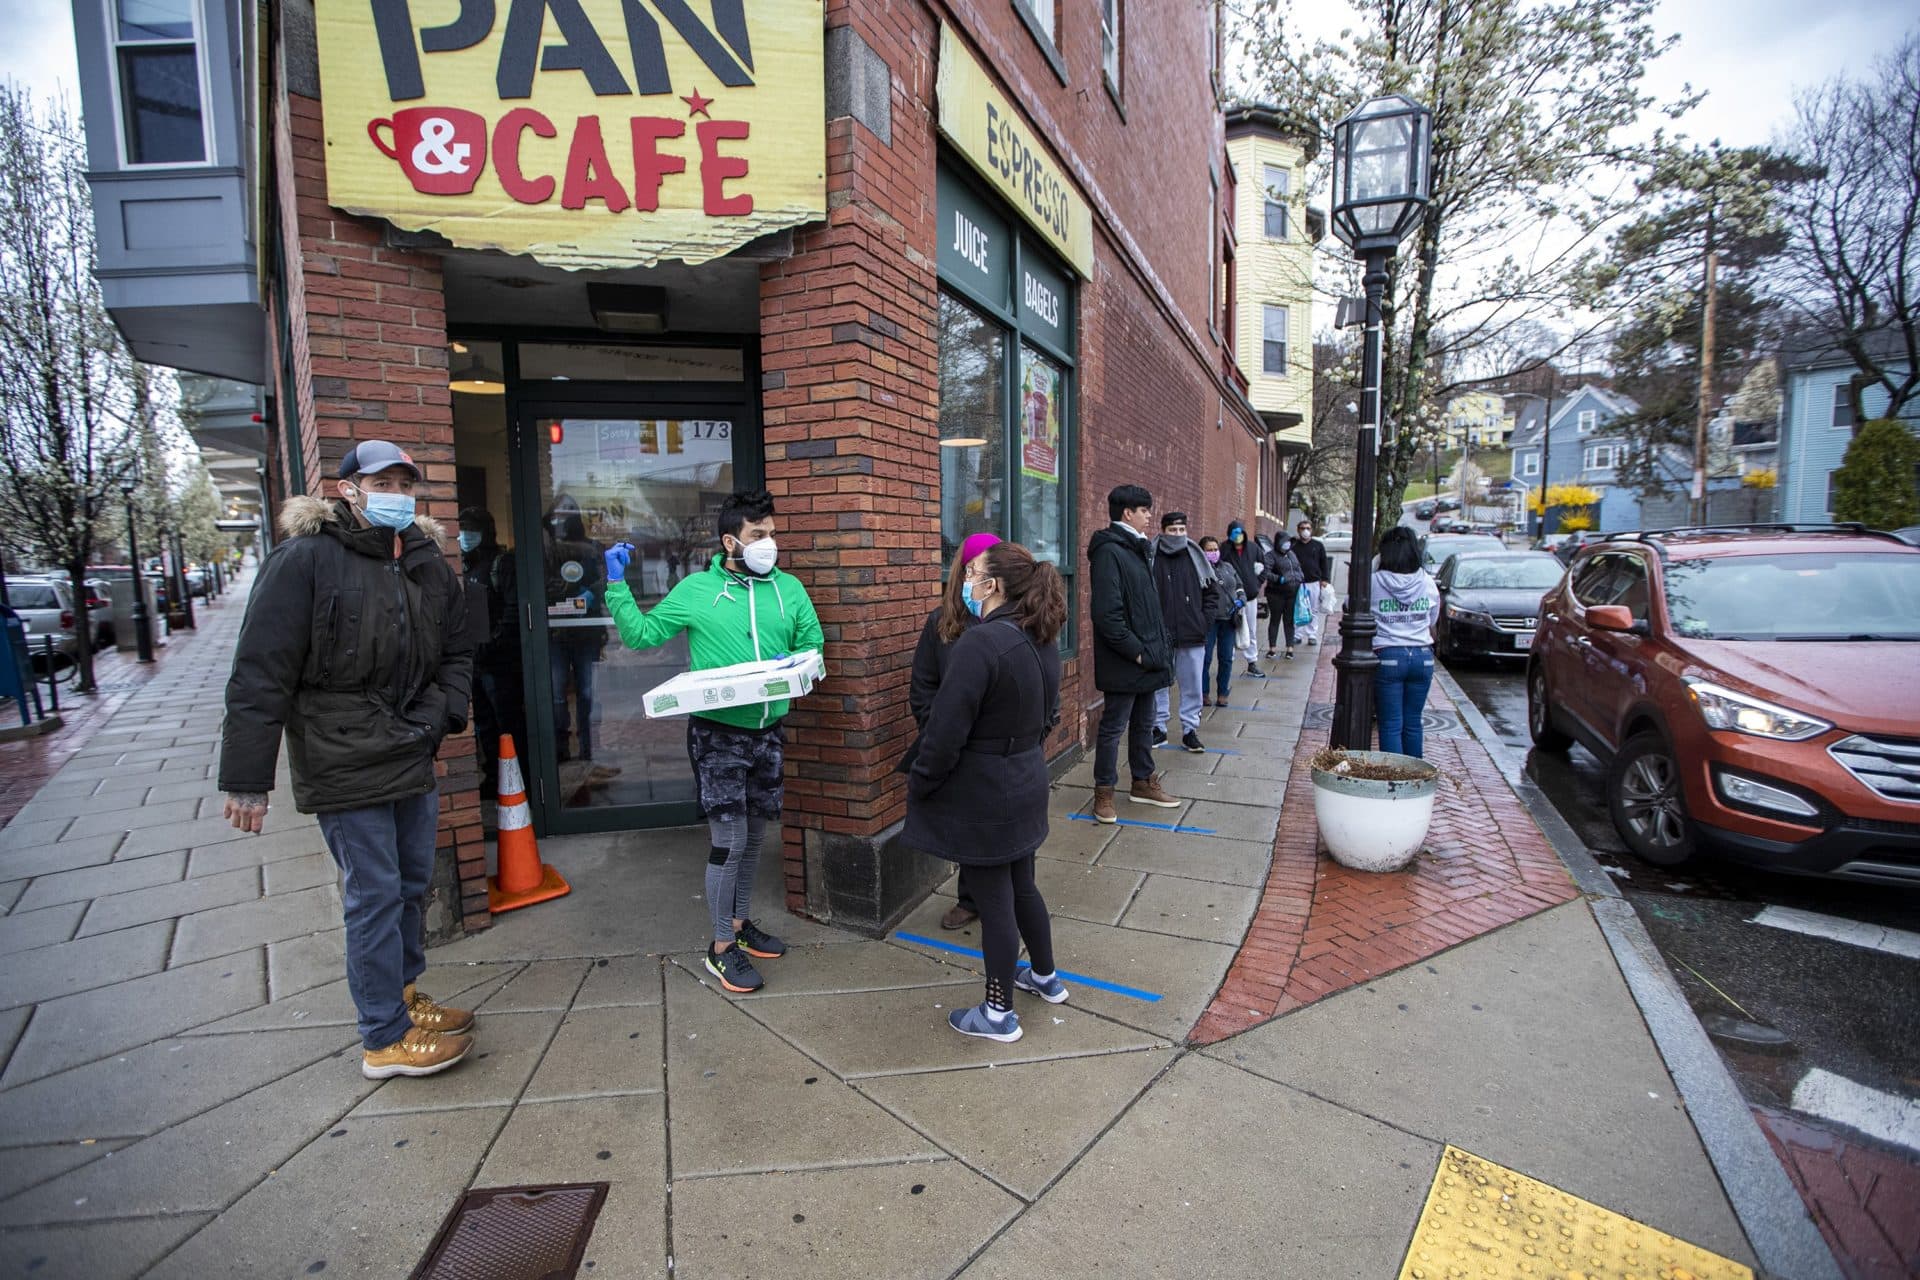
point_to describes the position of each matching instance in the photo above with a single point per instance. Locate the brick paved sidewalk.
(27, 765)
(1861, 1195)
(1321, 928)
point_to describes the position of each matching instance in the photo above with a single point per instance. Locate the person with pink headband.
(946, 624)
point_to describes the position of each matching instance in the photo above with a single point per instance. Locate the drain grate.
(515, 1233)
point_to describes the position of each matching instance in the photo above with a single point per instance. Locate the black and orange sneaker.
(735, 972)
(757, 942)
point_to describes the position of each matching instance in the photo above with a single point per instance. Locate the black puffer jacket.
(365, 661)
(977, 792)
(1126, 616)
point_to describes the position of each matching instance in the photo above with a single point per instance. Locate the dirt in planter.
(1336, 760)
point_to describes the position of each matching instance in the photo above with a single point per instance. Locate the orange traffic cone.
(523, 879)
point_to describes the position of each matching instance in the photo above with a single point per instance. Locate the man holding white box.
(742, 608)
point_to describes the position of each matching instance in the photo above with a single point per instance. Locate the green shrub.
(1879, 482)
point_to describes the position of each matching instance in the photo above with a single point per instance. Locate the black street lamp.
(178, 546)
(1381, 176)
(142, 625)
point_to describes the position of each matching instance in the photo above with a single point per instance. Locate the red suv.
(1756, 690)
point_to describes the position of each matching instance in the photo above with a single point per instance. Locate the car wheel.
(1540, 713)
(1645, 798)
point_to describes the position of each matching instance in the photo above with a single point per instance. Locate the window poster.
(1039, 417)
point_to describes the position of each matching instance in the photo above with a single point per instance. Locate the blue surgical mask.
(468, 540)
(966, 597)
(389, 510)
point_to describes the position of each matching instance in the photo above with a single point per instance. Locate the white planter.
(1375, 825)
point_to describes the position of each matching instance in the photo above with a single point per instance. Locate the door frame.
(525, 404)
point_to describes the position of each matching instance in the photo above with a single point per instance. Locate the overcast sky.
(1749, 55)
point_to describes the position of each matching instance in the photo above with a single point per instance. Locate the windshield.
(32, 595)
(1440, 545)
(1529, 573)
(1796, 597)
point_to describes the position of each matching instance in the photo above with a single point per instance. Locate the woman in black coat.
(977, 792)
(945, 625)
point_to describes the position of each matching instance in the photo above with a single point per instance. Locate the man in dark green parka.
(356, 647)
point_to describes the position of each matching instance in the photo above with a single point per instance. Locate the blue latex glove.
(617, 557)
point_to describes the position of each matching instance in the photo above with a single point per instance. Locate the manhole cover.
(515, 1233)
(1320, 716)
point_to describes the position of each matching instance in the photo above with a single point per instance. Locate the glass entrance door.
(602, 475)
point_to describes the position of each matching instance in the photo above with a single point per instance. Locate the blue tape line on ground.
(1132, 993)
(1211, 751)
(1157, 826)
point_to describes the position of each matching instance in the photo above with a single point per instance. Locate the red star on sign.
(697, 105)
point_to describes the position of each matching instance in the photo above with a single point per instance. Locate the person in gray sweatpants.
(1189, 597)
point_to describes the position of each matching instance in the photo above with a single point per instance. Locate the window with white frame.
(1602, 457)
(1830, 476)
(1530, 465)
(1042, 11)
(1843, 407)
(1277, 189)
(1273, 340)
(1110, 41)
(1589, 419)
(157, 65)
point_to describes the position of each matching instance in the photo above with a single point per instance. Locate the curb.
(1771, 1212)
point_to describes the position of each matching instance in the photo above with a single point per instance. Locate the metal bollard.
(53, 680)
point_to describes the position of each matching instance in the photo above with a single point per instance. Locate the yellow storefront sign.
(586, 133)
(977, 118)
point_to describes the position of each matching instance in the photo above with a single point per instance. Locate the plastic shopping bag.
(1244, 636)
(1303, 607)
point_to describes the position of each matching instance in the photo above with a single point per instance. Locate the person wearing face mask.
(356, 646)
(743, 608)
(1189, 599)
(943, 627)
(978, 791)
(1317, 565)
(575, 579)
(1241, 552)
(1223, 635)
(499, 698)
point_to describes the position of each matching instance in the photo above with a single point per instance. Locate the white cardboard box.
(744, 684)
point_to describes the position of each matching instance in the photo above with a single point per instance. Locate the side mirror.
(1610, 617)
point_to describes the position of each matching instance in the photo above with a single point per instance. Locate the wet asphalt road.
(1846, 1009)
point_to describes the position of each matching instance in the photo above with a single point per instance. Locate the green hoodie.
(729, 618)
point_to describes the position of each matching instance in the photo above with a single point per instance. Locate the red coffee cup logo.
(441, 149)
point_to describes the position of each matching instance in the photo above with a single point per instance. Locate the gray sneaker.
(1053, 991)
(734, 970)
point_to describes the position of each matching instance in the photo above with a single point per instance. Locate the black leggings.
(1280, 610)
(1011, 911)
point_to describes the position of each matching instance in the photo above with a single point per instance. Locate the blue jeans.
(386, 853)
(1220, 640)
(572, 658)
(1400, 685)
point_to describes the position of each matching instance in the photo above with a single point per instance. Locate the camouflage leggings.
(738, 772)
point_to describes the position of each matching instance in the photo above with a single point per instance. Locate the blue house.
(1816, 426)
(1580, 449)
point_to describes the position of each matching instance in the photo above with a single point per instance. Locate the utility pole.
(1707, 310)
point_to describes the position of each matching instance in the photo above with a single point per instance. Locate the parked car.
(1338, 539)
(199, 582)
(1446, 504)
(45, 606)
(1436, 547)
(1424, 510)
(1752, 691)
(1490, 604)
(1909, 535)
(1443, 524)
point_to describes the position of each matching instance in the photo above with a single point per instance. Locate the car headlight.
(1468, 615)
(1722, 708)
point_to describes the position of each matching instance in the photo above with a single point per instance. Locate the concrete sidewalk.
(180, 1095)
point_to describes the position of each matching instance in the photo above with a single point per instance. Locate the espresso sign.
(586, 133)
(979, 120)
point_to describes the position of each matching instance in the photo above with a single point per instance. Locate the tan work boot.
(1103, 805)
(430, 1015)
(418, 1053)
(1149, 791)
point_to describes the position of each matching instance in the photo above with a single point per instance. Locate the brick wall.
(370, 336)
(850, 367)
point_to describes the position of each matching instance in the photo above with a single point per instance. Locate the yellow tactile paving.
(1483, 1221)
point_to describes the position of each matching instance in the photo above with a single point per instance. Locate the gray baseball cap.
(370, 456)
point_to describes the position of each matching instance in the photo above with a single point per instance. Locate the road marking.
(1897, 942)
(1878, 1114)
(1133, 993)
(1156, 826)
